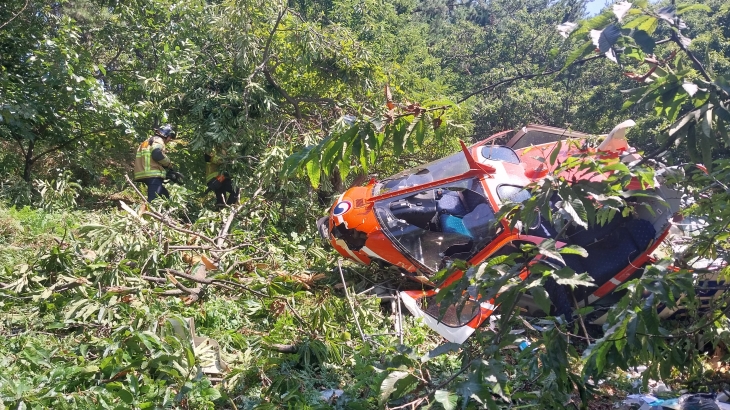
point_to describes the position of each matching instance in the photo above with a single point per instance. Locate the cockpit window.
(451, 315)
(450, 166)
(500, 153)
(433, 226)
(512, 193)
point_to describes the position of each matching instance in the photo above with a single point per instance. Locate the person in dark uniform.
(219, 181)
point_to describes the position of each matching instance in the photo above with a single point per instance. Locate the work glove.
(175, 177)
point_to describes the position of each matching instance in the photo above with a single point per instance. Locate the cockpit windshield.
(448, 222)
(450, 166)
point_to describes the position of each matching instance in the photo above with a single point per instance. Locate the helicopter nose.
(323, 227)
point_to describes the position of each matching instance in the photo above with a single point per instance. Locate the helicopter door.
(456, 322)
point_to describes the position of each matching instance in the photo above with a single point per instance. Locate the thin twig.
(580, 317)
(196, 279)
(227, 226)
(154, 279)
(16, 14)
(206, 248)
(164, 220)
(175, 292)
(243, 287)
(352, 306)
(266, 55)
(525, 77)
(182, 287)
(697, 64)
(413, 404)
(291, 100)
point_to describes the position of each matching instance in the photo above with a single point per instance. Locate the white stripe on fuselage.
(372, 254)
(343, 245)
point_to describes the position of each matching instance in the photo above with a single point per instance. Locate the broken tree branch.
(227, 225)
(282, 348)
(159, 217)
(291, 100)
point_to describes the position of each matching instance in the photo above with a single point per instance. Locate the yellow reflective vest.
(212, 167)
(145, 166)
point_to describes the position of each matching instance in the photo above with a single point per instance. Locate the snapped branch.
(291, 100)
(165, 221)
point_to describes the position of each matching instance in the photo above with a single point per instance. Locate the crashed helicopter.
(420, 219)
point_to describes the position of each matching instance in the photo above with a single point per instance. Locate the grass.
(24, 232)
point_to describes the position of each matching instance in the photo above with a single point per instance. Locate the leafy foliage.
(92, 278)
(677, 87)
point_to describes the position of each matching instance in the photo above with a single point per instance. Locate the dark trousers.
(225, 187)
(155, 188)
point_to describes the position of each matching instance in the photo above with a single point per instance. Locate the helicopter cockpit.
(438, 224)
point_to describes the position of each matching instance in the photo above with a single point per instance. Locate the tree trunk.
(28, 161)
(325, 197)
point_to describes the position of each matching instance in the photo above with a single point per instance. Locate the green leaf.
(550, 252)
(597, 22)
(314, 173)
(683, 122)
(636, 22)
(439, 350)
(608, 38)
(617, 166)
(636, 54)
(420, 130)
(125, 396)
(706, 123)
(723, 122)
(706, 147)
(691, 7)
(387, 387)
(367, 134)
(645, 41)
(671, 101)
(399, 129)
(297, 160)
(590, 209)
(580, 52)
(332, 153)
(447, 399)
(412, 128)
(555, 153)
(344, 168)
(567, 277)
(404, 386)
(619, 334)
(357, 151)
(649, 25)
(694, 154)
(631, 330)
(573, 250)
(190, 356)
(541, 298)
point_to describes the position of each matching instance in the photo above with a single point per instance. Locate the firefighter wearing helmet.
(152, 166)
